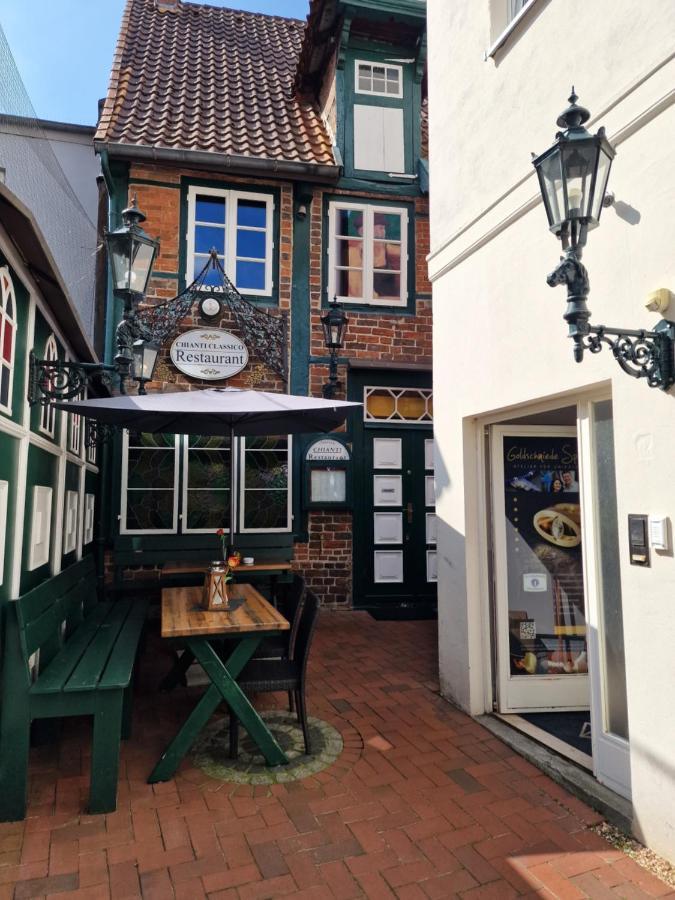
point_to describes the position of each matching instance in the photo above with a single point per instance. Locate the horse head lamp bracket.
(573, 177)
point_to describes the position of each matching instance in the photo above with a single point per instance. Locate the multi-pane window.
(92, 446)
(48, 412)
(264, 489)
(379, 79)
(150, 497)
(7, 338)
(239, 226)
(75, 432)
(149, 482)
(368, 254)
(206, 483)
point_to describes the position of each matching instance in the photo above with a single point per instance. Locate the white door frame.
(524, 693)
(611, 753)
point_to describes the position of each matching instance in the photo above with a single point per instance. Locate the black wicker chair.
(290, 604)
(262, 676)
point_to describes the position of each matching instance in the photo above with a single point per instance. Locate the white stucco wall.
(499, 337)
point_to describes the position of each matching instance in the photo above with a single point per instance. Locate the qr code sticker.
(528, 630)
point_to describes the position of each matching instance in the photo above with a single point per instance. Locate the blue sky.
(64, 48)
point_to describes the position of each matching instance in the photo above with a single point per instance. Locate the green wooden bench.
(87, 650)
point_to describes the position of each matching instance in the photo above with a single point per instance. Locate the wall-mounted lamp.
(573, 175)
(144, 359)
(131, 253)
(334, 324)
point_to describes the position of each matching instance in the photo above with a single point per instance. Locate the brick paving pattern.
(422, 803)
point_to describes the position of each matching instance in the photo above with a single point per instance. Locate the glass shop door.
(541, 624)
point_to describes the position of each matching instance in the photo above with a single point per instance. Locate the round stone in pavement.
(211, 751)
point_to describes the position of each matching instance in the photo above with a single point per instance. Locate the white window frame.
(372, 93)
(48, 412)
(180, 497)
(231, 199)
(7, 291)
(75, 432)
(241, 491)
(4, 498)
(185, 446)
(91, 452)
(369, 211)
(502, 24)
(125, 475)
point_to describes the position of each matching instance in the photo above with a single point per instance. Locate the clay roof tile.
(209, 78)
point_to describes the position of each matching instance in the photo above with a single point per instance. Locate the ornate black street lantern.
(573, 176)
(334, 324)
(132, 254)
(144, 359)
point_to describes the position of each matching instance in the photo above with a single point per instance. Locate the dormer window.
(378, 80)
(378, 92)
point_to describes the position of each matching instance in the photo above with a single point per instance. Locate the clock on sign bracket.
(210, 308)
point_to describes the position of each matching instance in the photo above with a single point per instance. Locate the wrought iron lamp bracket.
(50, 380)
(640, 353)
(99, 433)
(333, 386)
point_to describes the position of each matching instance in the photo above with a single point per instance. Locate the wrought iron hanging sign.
(209, 353)
(263, 332)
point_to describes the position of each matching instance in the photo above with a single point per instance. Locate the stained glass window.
(7, 338)
(149, 488)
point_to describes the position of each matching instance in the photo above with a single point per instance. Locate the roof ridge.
(244, 12)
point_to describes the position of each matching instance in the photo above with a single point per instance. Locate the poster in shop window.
(547, 621)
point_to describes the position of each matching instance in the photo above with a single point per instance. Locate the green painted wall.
(9, 460)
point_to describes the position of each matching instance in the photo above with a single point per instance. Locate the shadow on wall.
(626, 212)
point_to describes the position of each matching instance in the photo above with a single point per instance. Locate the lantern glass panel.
(604, 164)
(578, 166)
(550, 179)
(119, 259)
(141, 266)
(145, 357)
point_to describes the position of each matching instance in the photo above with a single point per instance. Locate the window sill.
(508, 31)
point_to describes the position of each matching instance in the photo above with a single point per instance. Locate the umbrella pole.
(233, 514)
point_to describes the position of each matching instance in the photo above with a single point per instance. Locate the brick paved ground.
(423, 803)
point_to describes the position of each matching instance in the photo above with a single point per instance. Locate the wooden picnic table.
(251, 619)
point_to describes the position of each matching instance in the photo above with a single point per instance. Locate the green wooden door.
(394, 513)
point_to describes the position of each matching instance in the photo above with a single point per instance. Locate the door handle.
(409, 512)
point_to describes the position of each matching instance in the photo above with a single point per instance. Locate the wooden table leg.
(225, 687)
(178, 671)
(223, 678)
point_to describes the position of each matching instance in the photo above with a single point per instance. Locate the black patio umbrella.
(216, 411)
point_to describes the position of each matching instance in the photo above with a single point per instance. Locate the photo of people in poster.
(547, 624)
